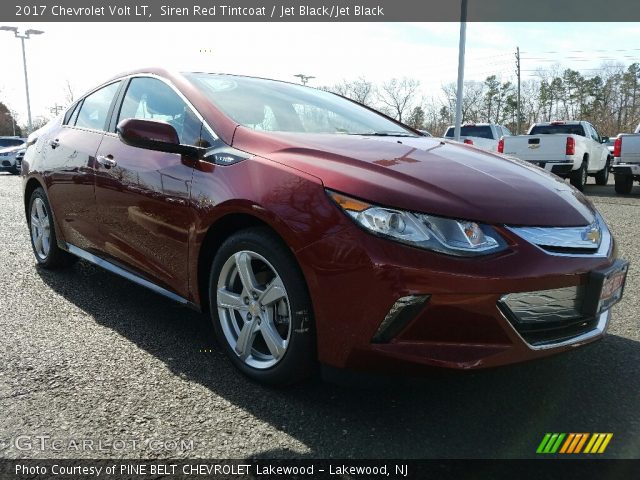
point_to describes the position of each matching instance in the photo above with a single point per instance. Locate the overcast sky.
(85, 54)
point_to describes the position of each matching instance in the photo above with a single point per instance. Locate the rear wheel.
(578, 177)
(261, 309)
(624, 184)
(602, 177)
(43, 235)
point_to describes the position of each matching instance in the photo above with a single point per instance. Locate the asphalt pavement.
(93, 366)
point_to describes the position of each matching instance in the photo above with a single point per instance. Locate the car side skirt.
(100, 262)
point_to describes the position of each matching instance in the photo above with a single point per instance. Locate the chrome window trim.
(139, 75)
(601, 252)
(81, 101)
(178, 92)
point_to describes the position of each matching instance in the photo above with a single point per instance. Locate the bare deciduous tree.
(397, 96)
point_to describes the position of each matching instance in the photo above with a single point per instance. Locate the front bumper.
(9, 163)
(356, 281)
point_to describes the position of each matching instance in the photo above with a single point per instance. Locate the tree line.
(609, 99)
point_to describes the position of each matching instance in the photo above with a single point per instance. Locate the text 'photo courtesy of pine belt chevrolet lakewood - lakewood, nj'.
(315, 230)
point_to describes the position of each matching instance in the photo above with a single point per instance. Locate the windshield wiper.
(384, 134)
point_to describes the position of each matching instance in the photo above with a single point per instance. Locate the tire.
(624, 184)
(263, 318)
(43, 234)
(578, 178)
(602, 177)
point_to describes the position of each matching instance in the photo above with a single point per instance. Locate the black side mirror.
(154, 135)
(605, 139)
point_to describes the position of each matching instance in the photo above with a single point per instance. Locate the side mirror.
(153, 135)
(605, 139)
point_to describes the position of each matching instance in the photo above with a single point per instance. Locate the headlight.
(453, 237)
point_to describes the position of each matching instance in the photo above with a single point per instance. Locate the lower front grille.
(6, 163)
(548, 317)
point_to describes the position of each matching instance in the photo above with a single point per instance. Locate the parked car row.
(569, 149)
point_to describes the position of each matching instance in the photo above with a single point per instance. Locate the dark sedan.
(313, 229)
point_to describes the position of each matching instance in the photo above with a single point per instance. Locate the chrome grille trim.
(568, 238)
(601, 328)
(545, 305)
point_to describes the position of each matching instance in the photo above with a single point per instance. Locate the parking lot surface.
(94, 366)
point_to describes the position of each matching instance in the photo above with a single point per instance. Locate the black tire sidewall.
(623, 184)
(300, 356)
(56, 257)
(578, 179)
(602, 177)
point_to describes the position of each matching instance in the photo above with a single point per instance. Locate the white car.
(483, 135)
(10, 147)
(569, 149)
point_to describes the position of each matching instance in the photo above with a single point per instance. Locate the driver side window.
(151, 99)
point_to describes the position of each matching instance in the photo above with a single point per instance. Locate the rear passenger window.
(95, 108)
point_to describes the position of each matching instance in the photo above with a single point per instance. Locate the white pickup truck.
(626, 165)
(483, 135)
(571, 150)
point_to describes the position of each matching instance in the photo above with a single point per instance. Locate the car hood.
(12, 149)
(428, 175)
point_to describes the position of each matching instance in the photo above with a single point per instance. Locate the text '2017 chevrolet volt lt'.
(314, 229)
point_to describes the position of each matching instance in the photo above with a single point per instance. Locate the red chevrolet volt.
(314, 229)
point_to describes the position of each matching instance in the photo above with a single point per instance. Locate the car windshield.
(10, 142)
(274, 106)
(575, 129)
(472, 131)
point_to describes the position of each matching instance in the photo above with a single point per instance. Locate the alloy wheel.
(254, 309)
(40, 229)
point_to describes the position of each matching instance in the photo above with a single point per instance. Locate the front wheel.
(624, 184)
(602, 177)
(43, 234)
(261, 309)
(578, 177)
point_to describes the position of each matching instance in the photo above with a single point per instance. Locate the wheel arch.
(216, 234)
(31, 185)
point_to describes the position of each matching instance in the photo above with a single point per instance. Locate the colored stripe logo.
(574, 443)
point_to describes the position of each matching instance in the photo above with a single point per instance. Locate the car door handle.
(106, 161)
(54, 143)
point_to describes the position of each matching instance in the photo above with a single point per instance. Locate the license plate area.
(605, 288)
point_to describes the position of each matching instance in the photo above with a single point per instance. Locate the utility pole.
(459, 92)
(25, 36)
(56, 109)
(304, 78)
(518, 104)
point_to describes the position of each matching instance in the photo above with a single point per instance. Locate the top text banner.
(317, 11)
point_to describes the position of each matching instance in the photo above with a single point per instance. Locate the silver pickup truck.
(626, 163)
